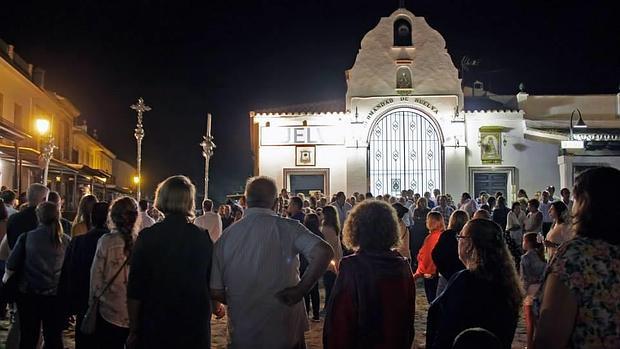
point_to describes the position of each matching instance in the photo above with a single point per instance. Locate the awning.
(11, 133)
(31, 157)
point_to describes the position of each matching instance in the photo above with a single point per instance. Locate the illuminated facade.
(80, 163)
(406, 123)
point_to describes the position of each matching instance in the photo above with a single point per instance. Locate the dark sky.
(189, 57)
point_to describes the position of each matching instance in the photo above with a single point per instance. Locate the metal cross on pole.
(207, 151)
(140, 108)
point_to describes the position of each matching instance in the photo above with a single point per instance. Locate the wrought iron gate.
(405, 152)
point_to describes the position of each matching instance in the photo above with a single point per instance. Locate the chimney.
(38, 77)
(11, 52)
(95, 135)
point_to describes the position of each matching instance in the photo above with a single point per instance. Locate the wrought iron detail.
(420, 166)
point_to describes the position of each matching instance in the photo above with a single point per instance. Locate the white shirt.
(212, 223)
(145, 221)
(544, 208)
(108, 260)
(342, 211)
(256, 258)
(10, 210)
(470, 206)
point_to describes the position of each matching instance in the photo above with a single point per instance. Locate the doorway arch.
(405, 151)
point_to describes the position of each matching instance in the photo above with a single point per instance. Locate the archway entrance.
(405, 152)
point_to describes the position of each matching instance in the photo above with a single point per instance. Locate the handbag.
(89, 323)
(10, 289)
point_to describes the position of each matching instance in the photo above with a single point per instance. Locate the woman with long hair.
(562, 229)
(75, 277)
(373, 302)
(579, 305)
(445, 254)
(82, 222)
(109, 274)
(312, 222)
(40, 254)
(330, 227)
(486, 294)
(170, 272)
(532, 267)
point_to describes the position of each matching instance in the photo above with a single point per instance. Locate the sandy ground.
(313, 337)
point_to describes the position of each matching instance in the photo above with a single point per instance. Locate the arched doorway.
(405, 152)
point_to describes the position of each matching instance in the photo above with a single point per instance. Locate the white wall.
(535, 162)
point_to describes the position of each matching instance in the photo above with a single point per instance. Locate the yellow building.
(80, 164)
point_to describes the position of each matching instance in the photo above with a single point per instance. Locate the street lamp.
(140, 108)
(47, 152)
(580, 123)
(207, 151)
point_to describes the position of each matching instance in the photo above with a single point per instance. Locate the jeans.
(36, 311)
(329, 279)
(430, 288)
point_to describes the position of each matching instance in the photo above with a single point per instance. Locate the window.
(402, 33)
(405, 152)
(18, 117)
(66, 140)
(403, 78)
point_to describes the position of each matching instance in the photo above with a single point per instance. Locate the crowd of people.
(137, 276)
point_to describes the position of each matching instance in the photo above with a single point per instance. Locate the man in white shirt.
(342, 206)
(9, 198)
(547, 221)
(468, 204)
(565, 193)
(256, 272)
(144, 218)
(210, 221)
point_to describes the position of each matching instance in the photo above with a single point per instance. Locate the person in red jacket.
(426, 266)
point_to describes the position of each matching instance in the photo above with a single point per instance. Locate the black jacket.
(19, 223)
(75, 278)
(446, 254)
(468, 302)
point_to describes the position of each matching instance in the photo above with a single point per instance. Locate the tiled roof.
(331, 106)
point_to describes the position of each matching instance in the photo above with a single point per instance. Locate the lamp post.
(140, 108)
(580, 123)
(47, 152)
(207, 151)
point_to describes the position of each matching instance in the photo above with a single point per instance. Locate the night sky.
(189, 57)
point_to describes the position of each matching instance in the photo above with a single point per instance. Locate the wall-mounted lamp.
(304, 123)
(580, 123)
(267, 124)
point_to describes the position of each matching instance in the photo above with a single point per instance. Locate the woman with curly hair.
(373, 301)
(109, 274)
(486, 294)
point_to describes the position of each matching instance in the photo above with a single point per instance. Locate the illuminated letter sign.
(287, 135)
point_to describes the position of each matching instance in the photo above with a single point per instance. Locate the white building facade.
(406, 123)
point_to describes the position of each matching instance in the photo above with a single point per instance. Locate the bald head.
(261, 192)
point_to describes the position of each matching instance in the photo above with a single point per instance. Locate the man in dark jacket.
(26, 219)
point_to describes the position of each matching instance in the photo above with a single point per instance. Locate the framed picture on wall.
(491, 145)
(305, 155)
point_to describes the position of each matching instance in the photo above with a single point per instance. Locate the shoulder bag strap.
(112, 279)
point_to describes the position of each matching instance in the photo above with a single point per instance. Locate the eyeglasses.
(459, 237)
